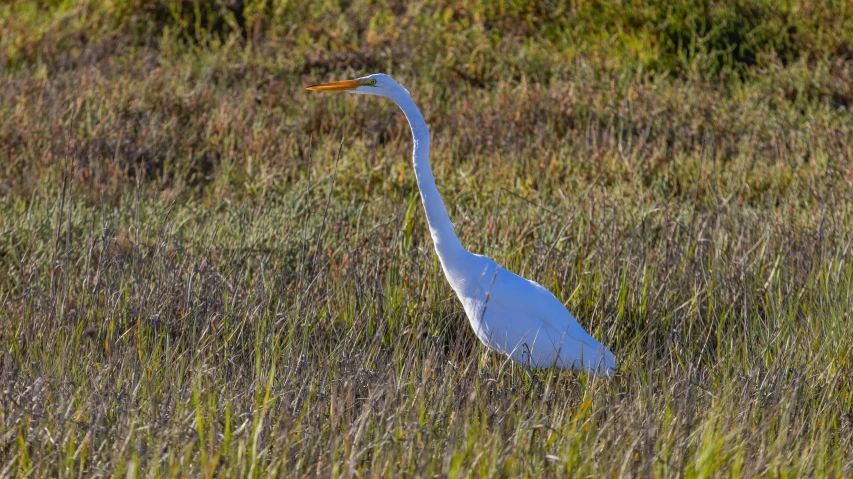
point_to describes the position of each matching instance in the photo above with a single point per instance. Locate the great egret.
(509, 314)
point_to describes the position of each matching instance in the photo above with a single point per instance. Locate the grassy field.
(207, 271)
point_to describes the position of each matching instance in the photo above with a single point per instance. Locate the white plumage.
(509, 314)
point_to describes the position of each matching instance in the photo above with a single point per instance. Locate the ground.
(206, 270)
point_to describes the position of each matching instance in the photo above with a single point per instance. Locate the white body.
(523, 320)
(509, 314)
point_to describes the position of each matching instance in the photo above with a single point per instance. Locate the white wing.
(520, 318)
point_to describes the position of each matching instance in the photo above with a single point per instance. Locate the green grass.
(207, 271)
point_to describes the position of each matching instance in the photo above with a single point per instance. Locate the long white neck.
(447, 244)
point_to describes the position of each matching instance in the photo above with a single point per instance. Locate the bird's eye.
(373, 82)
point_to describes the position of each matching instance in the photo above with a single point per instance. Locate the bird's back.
(520, 318)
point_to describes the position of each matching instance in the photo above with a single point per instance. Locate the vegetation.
(207, 271)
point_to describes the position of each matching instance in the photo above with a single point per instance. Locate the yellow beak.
(336, 86)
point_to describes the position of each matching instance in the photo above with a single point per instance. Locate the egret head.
(378, 84)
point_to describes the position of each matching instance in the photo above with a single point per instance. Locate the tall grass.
(208, 272)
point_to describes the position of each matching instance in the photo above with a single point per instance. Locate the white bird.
(509, 314)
